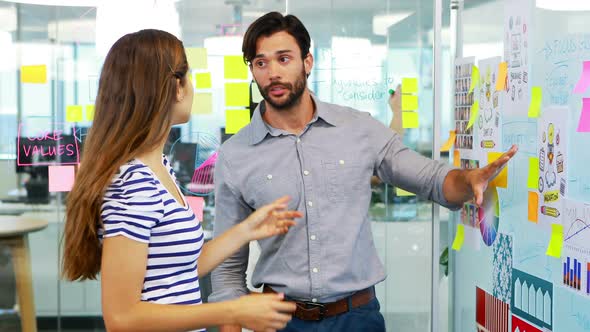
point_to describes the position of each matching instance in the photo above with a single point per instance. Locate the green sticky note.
(474, 114)
(256, 96)
(409, 102)
(409, 85)
(33, 74)
(202, 103)
(237, 94)
(74, 113)
(459, 237)
(196, 57)
(89, 112)
(234, 67)
(533, 179)
(474, 78)
(556, 241)
(236, 120)
(401, 192)
(536, 102)
(203, 80)
(410, 120)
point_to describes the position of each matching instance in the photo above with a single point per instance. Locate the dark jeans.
(365, 318)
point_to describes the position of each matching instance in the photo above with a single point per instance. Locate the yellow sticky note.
(89, 112)
(533, 207)
(236, 120)
(196, 57)
(409, 85)
(474, 114)
(410, 119)
(556, 241)
(456, 158)
(536, 102)
(409, 102)
(237, 94)
(74, 113)
(256, 95)
(459, 237)
(234, 67)
(401, 192)
(450, 142)
(501, 180)
(502, 75)
(474, 78)
(33, 74)
(202, 103)
(533, 179)
(203, 80)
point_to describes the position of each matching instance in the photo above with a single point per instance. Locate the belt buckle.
(313, 305)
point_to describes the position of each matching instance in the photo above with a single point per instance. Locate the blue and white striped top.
(138, 206)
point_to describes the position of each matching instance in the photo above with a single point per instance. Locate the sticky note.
(196, 57)
(584, 80)
(236, 120)
(61, 178)
(502, 75)
(256, 95)
(459, 237)
(74, 113)
(533, 179)
(450, 142)
(89, 112)
(474, 114)
(237, 94)
(501, 180)
(234, 67)
(584, 123)
(409, 102)
(474, 78)
(409, 85)
(203, 80)
(533, 207)
(33, 74)
(536, 102)
(410, 120)
(556, 241)
(197, 204)
(456, 158)
(202, 103)
(401, 192)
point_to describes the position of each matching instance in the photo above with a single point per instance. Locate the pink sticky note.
(61, 178)
(584, 124)
(197, 204)
(584, 81)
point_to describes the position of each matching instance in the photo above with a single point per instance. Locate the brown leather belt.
(319, 311)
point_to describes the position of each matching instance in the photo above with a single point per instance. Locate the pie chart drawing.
(489, 216)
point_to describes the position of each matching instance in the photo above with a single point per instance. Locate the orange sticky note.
(61, 178)
(456, 158)
(533, 206)
(197, 204)
(502, 74)
(501, 180)
(450, 142)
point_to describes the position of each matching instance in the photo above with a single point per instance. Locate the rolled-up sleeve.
(229, 278)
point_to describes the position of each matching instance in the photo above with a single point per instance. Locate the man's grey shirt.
(326, 170)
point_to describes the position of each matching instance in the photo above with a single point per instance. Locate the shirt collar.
(259, 129)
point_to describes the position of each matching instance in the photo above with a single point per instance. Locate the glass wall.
(51, 60)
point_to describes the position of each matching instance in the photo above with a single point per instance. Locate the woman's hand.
(262, 312)
(270, 220)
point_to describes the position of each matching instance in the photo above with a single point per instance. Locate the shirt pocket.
(342, 179)
(266, 187)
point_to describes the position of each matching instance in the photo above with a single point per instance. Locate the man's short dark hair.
(269, 24)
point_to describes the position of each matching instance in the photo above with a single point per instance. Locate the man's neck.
(293, 119)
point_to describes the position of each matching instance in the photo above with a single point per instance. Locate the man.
(323, 156)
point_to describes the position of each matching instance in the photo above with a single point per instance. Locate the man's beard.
(294, 96)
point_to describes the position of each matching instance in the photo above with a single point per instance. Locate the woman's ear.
(180, 91)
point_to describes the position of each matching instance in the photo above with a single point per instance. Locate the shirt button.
(314, 300)
(305, 172)
(341, 162)
(298, 140)
(269, 176)
(315, 270)
(310, 203)
(312, 237)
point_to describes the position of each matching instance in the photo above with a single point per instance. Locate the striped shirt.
(138, 206)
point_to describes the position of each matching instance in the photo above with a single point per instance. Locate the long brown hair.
(136, 92)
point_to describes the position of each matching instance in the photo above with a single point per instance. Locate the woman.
(128, 220)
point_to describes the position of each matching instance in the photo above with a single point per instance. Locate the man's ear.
(308, 63)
